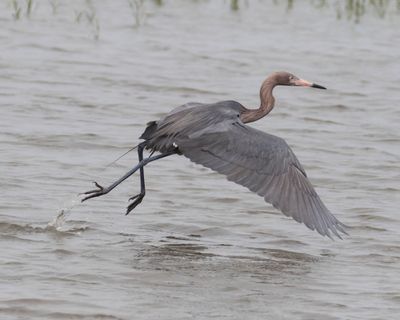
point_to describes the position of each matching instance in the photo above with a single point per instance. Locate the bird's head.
(287, 79)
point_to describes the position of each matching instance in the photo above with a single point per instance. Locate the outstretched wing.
(263, 163)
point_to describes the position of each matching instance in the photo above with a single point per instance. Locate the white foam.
(63, 213)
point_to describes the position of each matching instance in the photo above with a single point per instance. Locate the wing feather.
(264, 164)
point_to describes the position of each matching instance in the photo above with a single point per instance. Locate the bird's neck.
(267, 102)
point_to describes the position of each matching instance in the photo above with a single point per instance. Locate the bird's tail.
(150, 129)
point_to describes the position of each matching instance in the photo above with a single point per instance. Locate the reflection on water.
(192, 257)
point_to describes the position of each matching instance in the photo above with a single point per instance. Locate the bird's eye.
(291, 77)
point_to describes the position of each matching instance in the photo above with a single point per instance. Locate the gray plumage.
(214, 136)
(217, 137)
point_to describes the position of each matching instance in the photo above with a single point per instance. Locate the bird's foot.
(95, 193)
(138, 199)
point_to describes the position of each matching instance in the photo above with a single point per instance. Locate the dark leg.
(139, 197)
(102, 191)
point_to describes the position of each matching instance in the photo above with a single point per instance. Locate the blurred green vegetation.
(350, 9)
(343, 9)
(354, 9)
(85, 10)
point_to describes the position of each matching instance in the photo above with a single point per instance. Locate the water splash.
(58, 222)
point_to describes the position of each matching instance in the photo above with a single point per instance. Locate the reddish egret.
(217, 137)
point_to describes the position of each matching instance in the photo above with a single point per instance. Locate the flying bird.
(217, 136)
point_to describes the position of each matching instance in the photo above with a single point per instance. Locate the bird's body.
(217, 137)
(188, 121)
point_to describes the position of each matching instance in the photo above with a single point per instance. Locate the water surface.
(78, 85)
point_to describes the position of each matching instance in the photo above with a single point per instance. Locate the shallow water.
(198, 246)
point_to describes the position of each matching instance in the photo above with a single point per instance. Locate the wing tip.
(338, 229)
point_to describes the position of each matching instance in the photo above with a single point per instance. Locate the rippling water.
(198, 246)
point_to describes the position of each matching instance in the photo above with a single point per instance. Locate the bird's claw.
(138, 199)
(94, 193)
